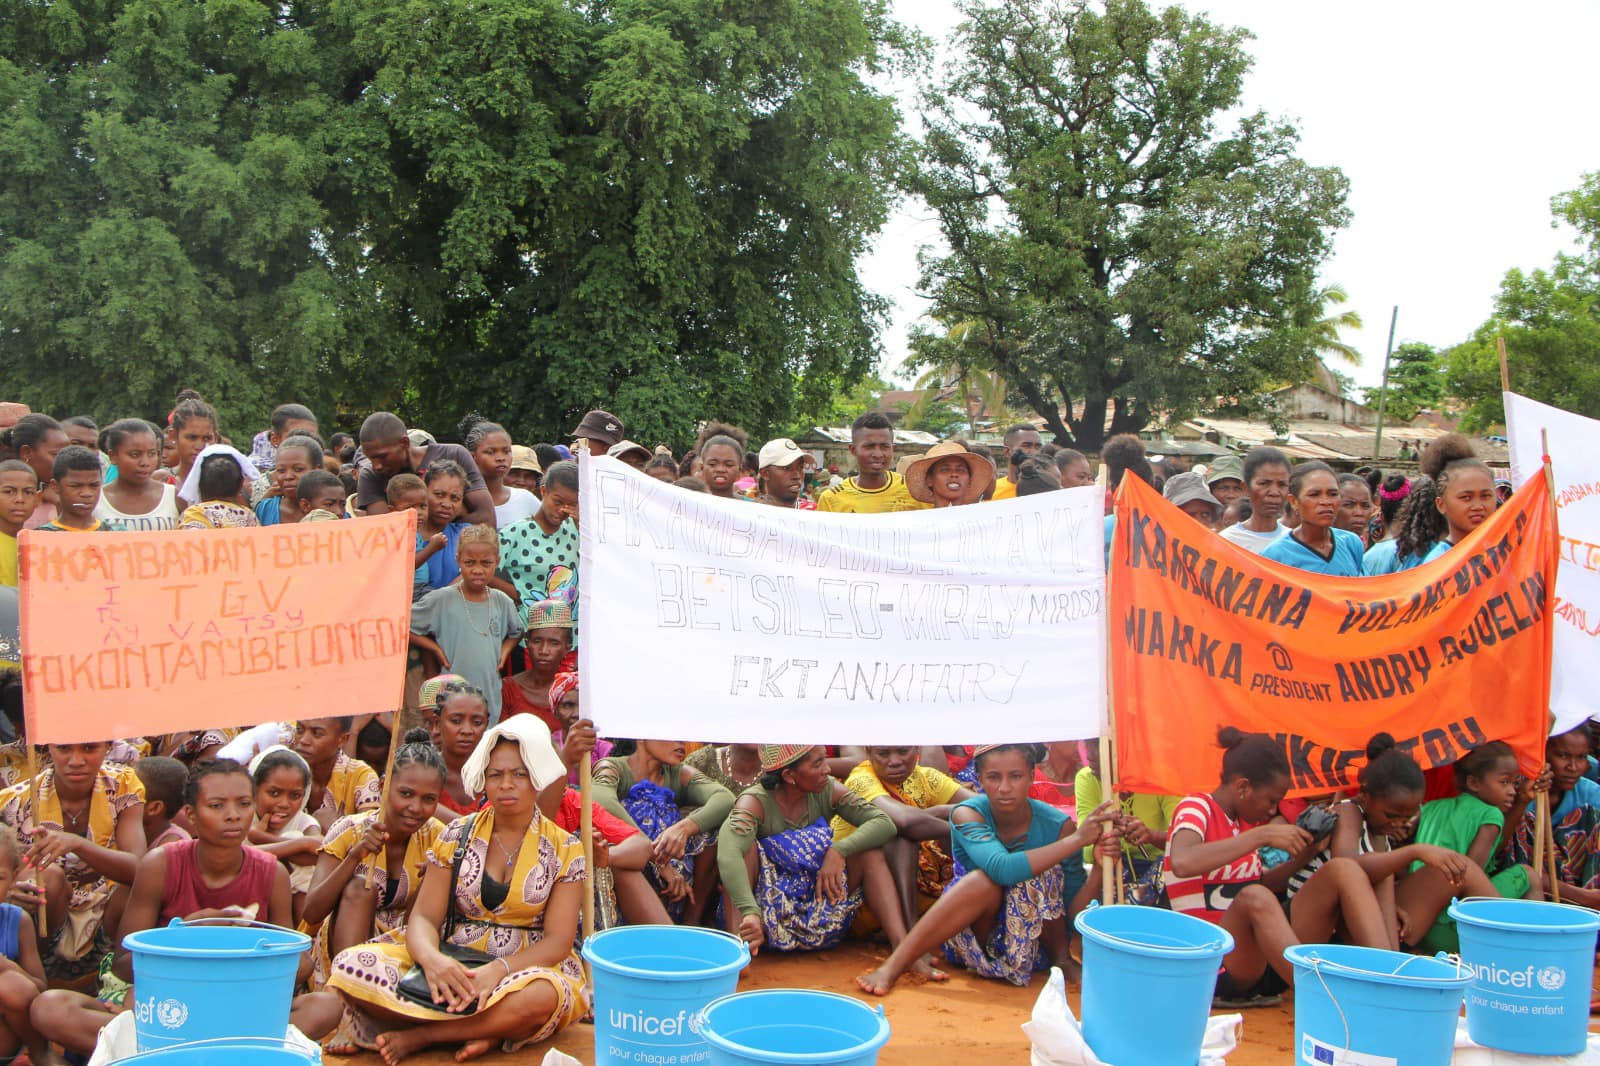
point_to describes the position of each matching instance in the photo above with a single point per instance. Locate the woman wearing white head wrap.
(517, 899)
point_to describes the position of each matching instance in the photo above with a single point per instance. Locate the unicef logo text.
(1551, 978)
(1548, 979)
(170, 1013)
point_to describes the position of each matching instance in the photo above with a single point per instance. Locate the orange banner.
(134, 634)
(1443, 657)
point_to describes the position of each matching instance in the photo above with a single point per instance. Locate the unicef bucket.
(1532, 965)
(1137, 956)
(1365, 1005)
(649, 983)
(203, 981)
(231, 1052)
(794, 1028)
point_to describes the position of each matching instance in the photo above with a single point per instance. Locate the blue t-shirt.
(1382, 558)
(977, 848)
(10, 930)
(1583, 793)
(441, 565)
(270, 510)
(1345, 561)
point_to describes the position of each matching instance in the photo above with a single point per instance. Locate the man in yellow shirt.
(1019, 438)
(876, 488)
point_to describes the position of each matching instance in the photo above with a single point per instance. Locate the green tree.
(1550, 322)
(1128, 258)
(1327, 332)
(1416, 381)
(528, 206)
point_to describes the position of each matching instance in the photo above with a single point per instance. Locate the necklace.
(511, 856)
(472, 623)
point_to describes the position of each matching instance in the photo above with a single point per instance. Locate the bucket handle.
(250, 923)
(1190, 950)
(1317, 962)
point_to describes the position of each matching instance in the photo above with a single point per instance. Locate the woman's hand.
(1403, 920)
(674, 841)
(373, 840)
(752, 933)
(1452, 864)
(26, 894)
(578, 743)
(1280, 835)
(449, 983)
(674, 886)
(52, 845)
(1090, 831)
(831, 881)
(487, 978)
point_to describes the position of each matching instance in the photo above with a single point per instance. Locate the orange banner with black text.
(1444, 657)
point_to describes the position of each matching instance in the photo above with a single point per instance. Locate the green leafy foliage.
(1416, 381)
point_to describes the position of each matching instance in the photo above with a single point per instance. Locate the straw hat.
(918, 472)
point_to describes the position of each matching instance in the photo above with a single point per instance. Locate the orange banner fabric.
(1443, 657)
(134, 634)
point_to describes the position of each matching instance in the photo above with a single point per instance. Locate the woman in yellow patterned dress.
(343, 908)
(517, 898)
(85, 839)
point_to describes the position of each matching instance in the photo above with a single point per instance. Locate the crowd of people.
(445, 901)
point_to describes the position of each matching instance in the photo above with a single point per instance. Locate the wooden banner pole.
(1544, 835)
(586, 773)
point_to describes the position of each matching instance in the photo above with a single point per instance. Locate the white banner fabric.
(1575, 463)
(727, 620)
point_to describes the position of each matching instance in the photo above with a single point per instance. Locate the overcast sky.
(1455, 123)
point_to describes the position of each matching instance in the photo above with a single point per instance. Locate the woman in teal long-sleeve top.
(785, 882)
(1006, 899)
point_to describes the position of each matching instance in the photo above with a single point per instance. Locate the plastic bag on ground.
(1058, 1039)
(119, 1039)
(1469, 1054)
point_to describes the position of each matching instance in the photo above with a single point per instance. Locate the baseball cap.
(1188, 487)
(420, 438)
(780, 452)
(623, 447)
(525, 458)
(1227, 466)
(602, 426)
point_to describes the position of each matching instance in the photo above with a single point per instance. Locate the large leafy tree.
(1128, 258)
(1416, 381)
(1550, 322)
(526, 206)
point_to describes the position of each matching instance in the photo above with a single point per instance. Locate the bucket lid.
(1315, 957)
(594, 952)
(702, 1024)
(1552, 917)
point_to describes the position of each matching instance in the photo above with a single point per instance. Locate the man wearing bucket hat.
(1188, 493)
(1225, 479)
(525, 472)
(786, 881)
(635, 455)
(781, 467)
(601, 429)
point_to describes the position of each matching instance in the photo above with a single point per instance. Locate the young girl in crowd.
(517, 899)
(490, 446)
(721, 465)
(918, 800)
(340, 785)
(215, 875)
(87, 835)
(460, 718)
(1454, 496)
(445, 488)
(1355, 508)
(21, 972)
(19, 497)
(1214, 870)
(1317, 543)
(648, 787)
(35, 440)
(785, 882)
(191, 429)
(295, 457)
(1005, 903)
(539, 555)
(354, 899)
(1492, 794)
(470, 626)
(1574, 818)
(548, 647)
(135, 501)
(282, 827)
(218, 482)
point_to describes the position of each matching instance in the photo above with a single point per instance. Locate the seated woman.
(282, 827)
(547, 645)
(215, 875)
(648, 787)
(459, 715)
(918, 800)
(84, 840)
(1492, 794)
(566, 709)
(1214, 871)
(1006, 900)
(517, 895)
(354, 899)
(784, 880)
(1574, 819)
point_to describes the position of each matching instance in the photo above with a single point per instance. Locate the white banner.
(725, 620)
(1575, 462)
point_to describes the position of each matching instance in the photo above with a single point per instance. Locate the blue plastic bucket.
(1532, 965)
(1355, 1004)
(205, 982)
(793, 1027)
(1134, 957)
(649, 983)
(238, 1052)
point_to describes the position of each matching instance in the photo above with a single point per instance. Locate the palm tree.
(1325, 330)
(955, 360)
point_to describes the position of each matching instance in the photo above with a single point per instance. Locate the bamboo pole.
(394, 745)
(1111, 882)
(1543, 831)
(1505, 367)
(586, 770)
(42, 920)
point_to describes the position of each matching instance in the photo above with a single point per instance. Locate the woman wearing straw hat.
(787, 883)
(518, 886)
(947, 475)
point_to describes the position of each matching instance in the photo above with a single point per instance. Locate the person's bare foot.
(878, 982)
(927, 968)
(399, 1044)
(472, 1049)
